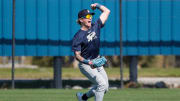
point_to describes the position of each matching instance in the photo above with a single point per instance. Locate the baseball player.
(85, 45)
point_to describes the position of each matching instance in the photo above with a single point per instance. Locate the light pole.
(13, 45)
(121, 47)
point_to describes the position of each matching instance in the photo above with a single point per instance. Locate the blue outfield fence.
(46, 27)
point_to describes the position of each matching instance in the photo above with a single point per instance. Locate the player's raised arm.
(105, 11)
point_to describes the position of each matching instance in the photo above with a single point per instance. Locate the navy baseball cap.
(84, 12)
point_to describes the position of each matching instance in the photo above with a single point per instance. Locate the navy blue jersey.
(88, 42)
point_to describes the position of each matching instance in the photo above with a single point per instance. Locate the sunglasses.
(88, 16)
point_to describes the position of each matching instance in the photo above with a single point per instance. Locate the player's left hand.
(93, 6)
(91, 64)
(98, 62)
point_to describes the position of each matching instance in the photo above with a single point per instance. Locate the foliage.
(113, 61)
(156, 61)
(47, 61)
(148, 61)
(41, 61)
(47, 73)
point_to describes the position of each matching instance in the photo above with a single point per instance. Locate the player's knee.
(106, 88)
(103, 86)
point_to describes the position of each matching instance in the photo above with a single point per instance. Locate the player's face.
(86, 21)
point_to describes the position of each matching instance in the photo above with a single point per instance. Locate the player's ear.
(79, 21)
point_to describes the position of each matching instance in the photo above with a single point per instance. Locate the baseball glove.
(98, 62)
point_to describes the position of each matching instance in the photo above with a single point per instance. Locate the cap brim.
(92, 13)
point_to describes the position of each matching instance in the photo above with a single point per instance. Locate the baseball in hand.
(93, 6)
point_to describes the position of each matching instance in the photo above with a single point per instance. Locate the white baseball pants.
(99, 78)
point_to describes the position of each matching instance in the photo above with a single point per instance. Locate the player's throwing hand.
(93, 6)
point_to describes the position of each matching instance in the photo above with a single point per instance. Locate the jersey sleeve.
(76, 43)
(99, 23)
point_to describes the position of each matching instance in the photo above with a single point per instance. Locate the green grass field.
(69, 95)
(47, 73)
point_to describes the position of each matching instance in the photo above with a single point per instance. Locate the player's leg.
(95, 77)
(99, 96)
(104, 74)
